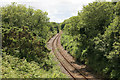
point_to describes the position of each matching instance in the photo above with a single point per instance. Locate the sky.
(58, 10)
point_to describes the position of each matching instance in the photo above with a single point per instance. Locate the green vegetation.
(25, 32)
(14, 67)
(93, 38)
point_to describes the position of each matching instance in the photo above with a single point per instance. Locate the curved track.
(71, 68)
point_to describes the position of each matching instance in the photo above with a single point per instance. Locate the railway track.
(73, 72)
(84, 77)
(71, 68)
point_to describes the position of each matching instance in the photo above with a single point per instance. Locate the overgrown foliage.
(25, 32)
(93, 37)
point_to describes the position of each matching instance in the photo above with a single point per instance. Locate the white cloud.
(58, 10)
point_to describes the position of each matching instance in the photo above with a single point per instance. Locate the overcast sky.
(58, 10)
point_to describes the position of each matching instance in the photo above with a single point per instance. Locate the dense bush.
(13, 67)
(25, 32)
(23, 43)
(93, 37)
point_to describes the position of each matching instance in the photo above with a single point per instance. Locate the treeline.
(25, 32)
(93, 38)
